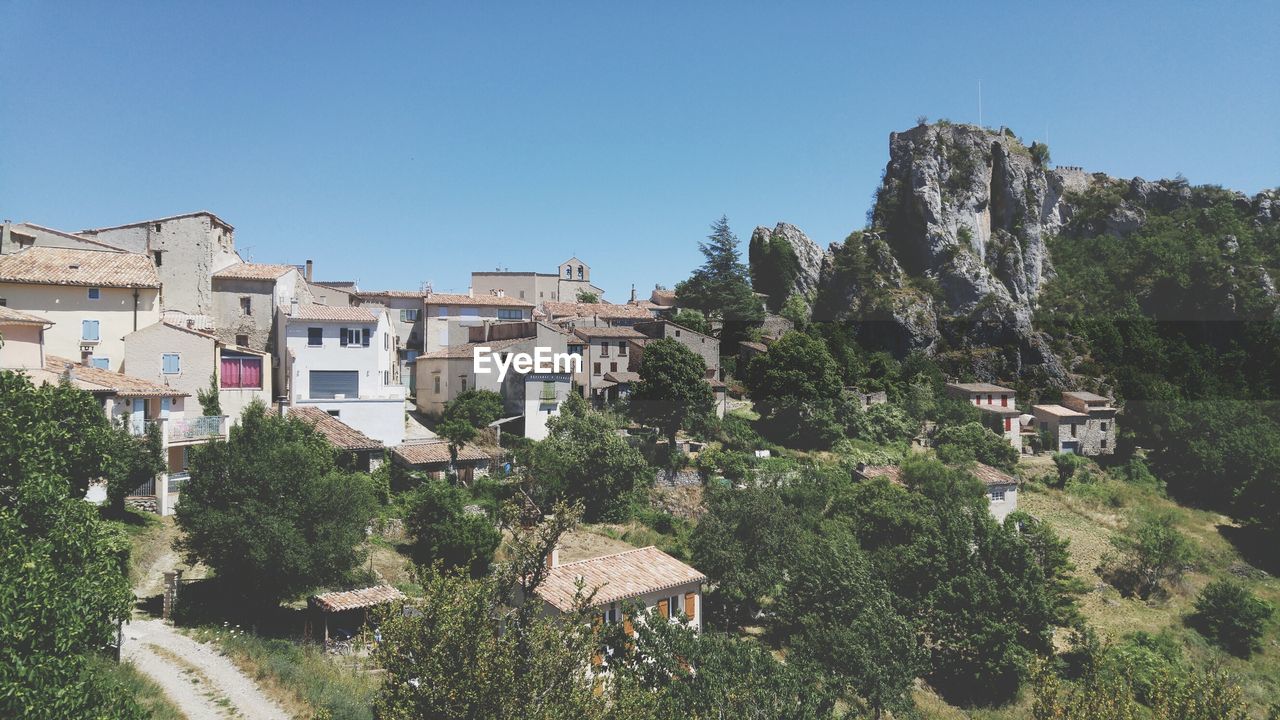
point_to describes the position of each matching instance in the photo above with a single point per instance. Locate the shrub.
(1040, 153)
(1070, 467)
(1151, 554)
(1231, 617)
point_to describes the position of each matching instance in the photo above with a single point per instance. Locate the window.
(1073, 429)
(386, 341)
(354, 337)
(335, 413)
(997, 495)
(548, 392)
(436, 384)
(509, 314)
(4, 302)
(622, 347)
(990, 400)
(157, 227)
(1004, 401)
(613, 367)
(170, 364)
(521, 294)
(89, 330)
(100, 362)
(246, 305)
(408, 314)
(677, 333)
(1104, 443)
(579, 272)
(242, 340)
(1008, 424)
(464, 383)
(673, 607)
(156, 256)
(611, 616)
(241, 371)
(568, 273)
(95, 293)
(604, 349)
(329, 384)
(315, 337)
(1104, 427)
(386, 377)
(443, 311)
(597, 368)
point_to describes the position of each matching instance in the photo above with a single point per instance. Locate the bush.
(444, 532)
(1151, 554)
(1231, 617)
(972, 441)
(1070, 466)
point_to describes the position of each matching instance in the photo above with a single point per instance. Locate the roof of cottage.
(71, 266)
(339, 313)
(999, 409)
(892, 473)
(17, 230)
(340, 434)
(608, 332)
(616, 577)
(253, 271)
(758, 347)
(980, 387)
(622, 377)
(107, 381)
(993, 476)
(1086, 396)
(411, 294)
(1057, 411)
(430, 453)
(665, 298)
(9, 316)
(356, 599)
(467, 350)
(484, 300)
(600, 310)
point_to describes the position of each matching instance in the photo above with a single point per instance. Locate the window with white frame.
(246, 305)
(171, 364)
(997, 495)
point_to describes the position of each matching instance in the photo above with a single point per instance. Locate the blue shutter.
(89, 329)
(101, 363)
(172, 364)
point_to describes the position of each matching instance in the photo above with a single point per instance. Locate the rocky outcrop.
(808, 254)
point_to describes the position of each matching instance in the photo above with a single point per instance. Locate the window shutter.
(342, 337)
(89, 329)
(663, 608)
(364, 338)
(626, 626)
(690, 604)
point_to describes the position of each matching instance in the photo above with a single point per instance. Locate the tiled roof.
(622, 377)
(758, 347)
(467, 350)
(392, 293)
(608, 332)
(616, 577)
(980, 387)
(1086, 396)
(340, 313)
(342, 435)
(601, 310)
(663, 297)
(114, 382)
(10, 316)
(1057, 411)
(429, 453)
(54, 231)
(991, 476)
(999, 410)
(66, 266)
(892, 473)
(487, 300)
(253, 271)
(356, 599)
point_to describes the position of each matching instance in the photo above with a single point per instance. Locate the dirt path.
(203, 683)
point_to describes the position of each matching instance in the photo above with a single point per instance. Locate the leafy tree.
(1040, 154)
(743, 544)
(795, 309)
(692, 319)
(583, 458)
(673, 391)
(133, 461)
(270, 511)
(1070, 466)
(463, 417)
(971, 441)
(586, 296)
(63, 586)
(796, 387)
(883, 424)
(444, 532)
(210, 403)
(842, 622)
(1232, 617)
(721, 288)
(1152, 553)
(1050, 552)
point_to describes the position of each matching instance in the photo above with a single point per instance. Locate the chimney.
(5, 236)
(470, 291)
(553, 557)
(633, 292)
(308, 273)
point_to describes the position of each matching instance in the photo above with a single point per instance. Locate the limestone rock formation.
(808, 254)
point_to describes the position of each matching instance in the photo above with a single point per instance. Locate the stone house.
(449, 317)
(186, 358)
(342, 360)
(1001, 487)
(186, 250)
(705, 346)
(998, 405)
(92, 298)
(667, 588)
(1083, 424)
(406, 310)
(604, 350)
(357, 451)
(246, 297)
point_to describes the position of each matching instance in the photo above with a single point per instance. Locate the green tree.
(1152, 553)
(463, 417)
(63, 584)
(673, 392)
(692, 319)
(882, 424)
(210, 402)
(774, 267)
(270, 511)
(796, 388)
(1050, 552)
(444, 532)
(795, 309)
(583, 458)
(842, 622)
(586, 296)
(1040, 154)
(969, 442)
(721, 287)
(1232, 617)
(132, 462)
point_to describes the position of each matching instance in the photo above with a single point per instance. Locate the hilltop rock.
(808, 254)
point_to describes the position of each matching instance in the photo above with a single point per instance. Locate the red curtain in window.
(251, 373)
(230, 372)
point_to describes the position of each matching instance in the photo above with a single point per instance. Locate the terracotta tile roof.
(340, 313)
(66, 266)
(356, 599)
(892, 473)
(616, 577)
(608, 332)
(622, 377)
(991, 476)
(17, 229)
(600, 310)
(342, 435)
(430, 453)
(479, 300)
(980, 388)
(1057, 411)
(467, 350)
(10, 316)
(391, 294)
(758, 347)
(253, 271)
(663, 297)
(107, 381)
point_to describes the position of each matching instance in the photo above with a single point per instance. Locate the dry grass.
(589, 541)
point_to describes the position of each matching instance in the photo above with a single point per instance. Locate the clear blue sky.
(400, 144)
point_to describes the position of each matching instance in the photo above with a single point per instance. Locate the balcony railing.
(177, 480)
(196, 428)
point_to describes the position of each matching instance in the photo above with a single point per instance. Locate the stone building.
(1083, 424)
(998, 405)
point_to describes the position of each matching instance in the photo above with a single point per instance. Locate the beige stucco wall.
(22, 346)
(66, 306)
(197, 356)
(454, 327)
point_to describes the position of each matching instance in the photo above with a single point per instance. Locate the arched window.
(579, 272)
(568, 272)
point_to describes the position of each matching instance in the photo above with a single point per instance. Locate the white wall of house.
(1003, 499)
(68, 306)
(537, 409)
(23, 346)
(380, 419)
(650, 602)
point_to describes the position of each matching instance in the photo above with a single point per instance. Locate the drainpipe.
(135, 308)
